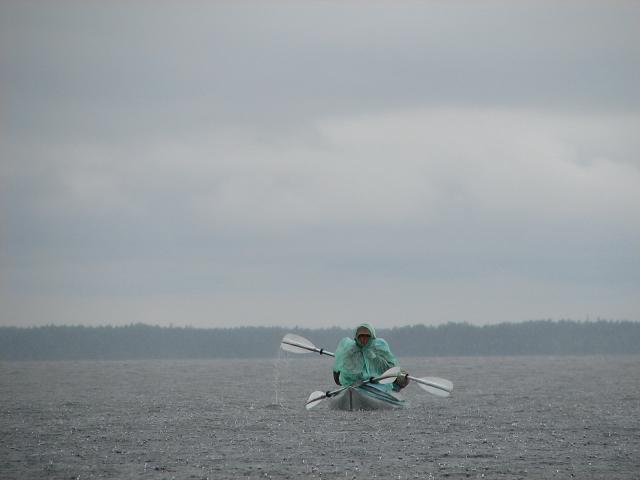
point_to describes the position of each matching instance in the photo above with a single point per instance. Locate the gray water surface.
(509, 417)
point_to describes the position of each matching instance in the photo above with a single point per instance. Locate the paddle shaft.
(360, 383)
(331, 393)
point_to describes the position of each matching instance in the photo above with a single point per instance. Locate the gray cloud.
(244, 163)
(242, 62)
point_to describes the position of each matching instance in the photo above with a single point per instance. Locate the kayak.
(364, 395)
(367, 397)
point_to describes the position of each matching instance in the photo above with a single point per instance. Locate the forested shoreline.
(141, 341)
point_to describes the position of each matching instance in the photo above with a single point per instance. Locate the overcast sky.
(319, 163)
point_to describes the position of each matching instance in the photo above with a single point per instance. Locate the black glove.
(402, 380)
(336, 377)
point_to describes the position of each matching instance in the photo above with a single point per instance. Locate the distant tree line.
(140, 341)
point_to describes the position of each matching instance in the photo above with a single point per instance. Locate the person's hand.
(402, 380)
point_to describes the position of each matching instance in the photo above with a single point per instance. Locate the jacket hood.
(369, 327)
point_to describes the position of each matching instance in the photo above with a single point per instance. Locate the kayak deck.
(367, 397)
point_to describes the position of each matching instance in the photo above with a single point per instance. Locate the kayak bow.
(367, 397)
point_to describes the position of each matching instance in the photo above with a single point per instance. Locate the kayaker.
(364, 356)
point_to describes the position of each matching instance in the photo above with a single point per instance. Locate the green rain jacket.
(357, 362)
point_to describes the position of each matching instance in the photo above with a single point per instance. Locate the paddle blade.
(296, 344)
(390, 375)
(314, 399)
(434, 385)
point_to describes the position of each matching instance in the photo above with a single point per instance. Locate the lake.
(508, 417)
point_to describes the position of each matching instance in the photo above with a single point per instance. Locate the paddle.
(297, 344)
(434, 385)
(387, 377)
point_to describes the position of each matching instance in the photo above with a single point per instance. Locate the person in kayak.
(363, 357)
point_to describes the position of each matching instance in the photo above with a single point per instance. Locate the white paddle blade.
(434, 385)
(314, 399)
(441, 382)
(390, 375)
(296, 344)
